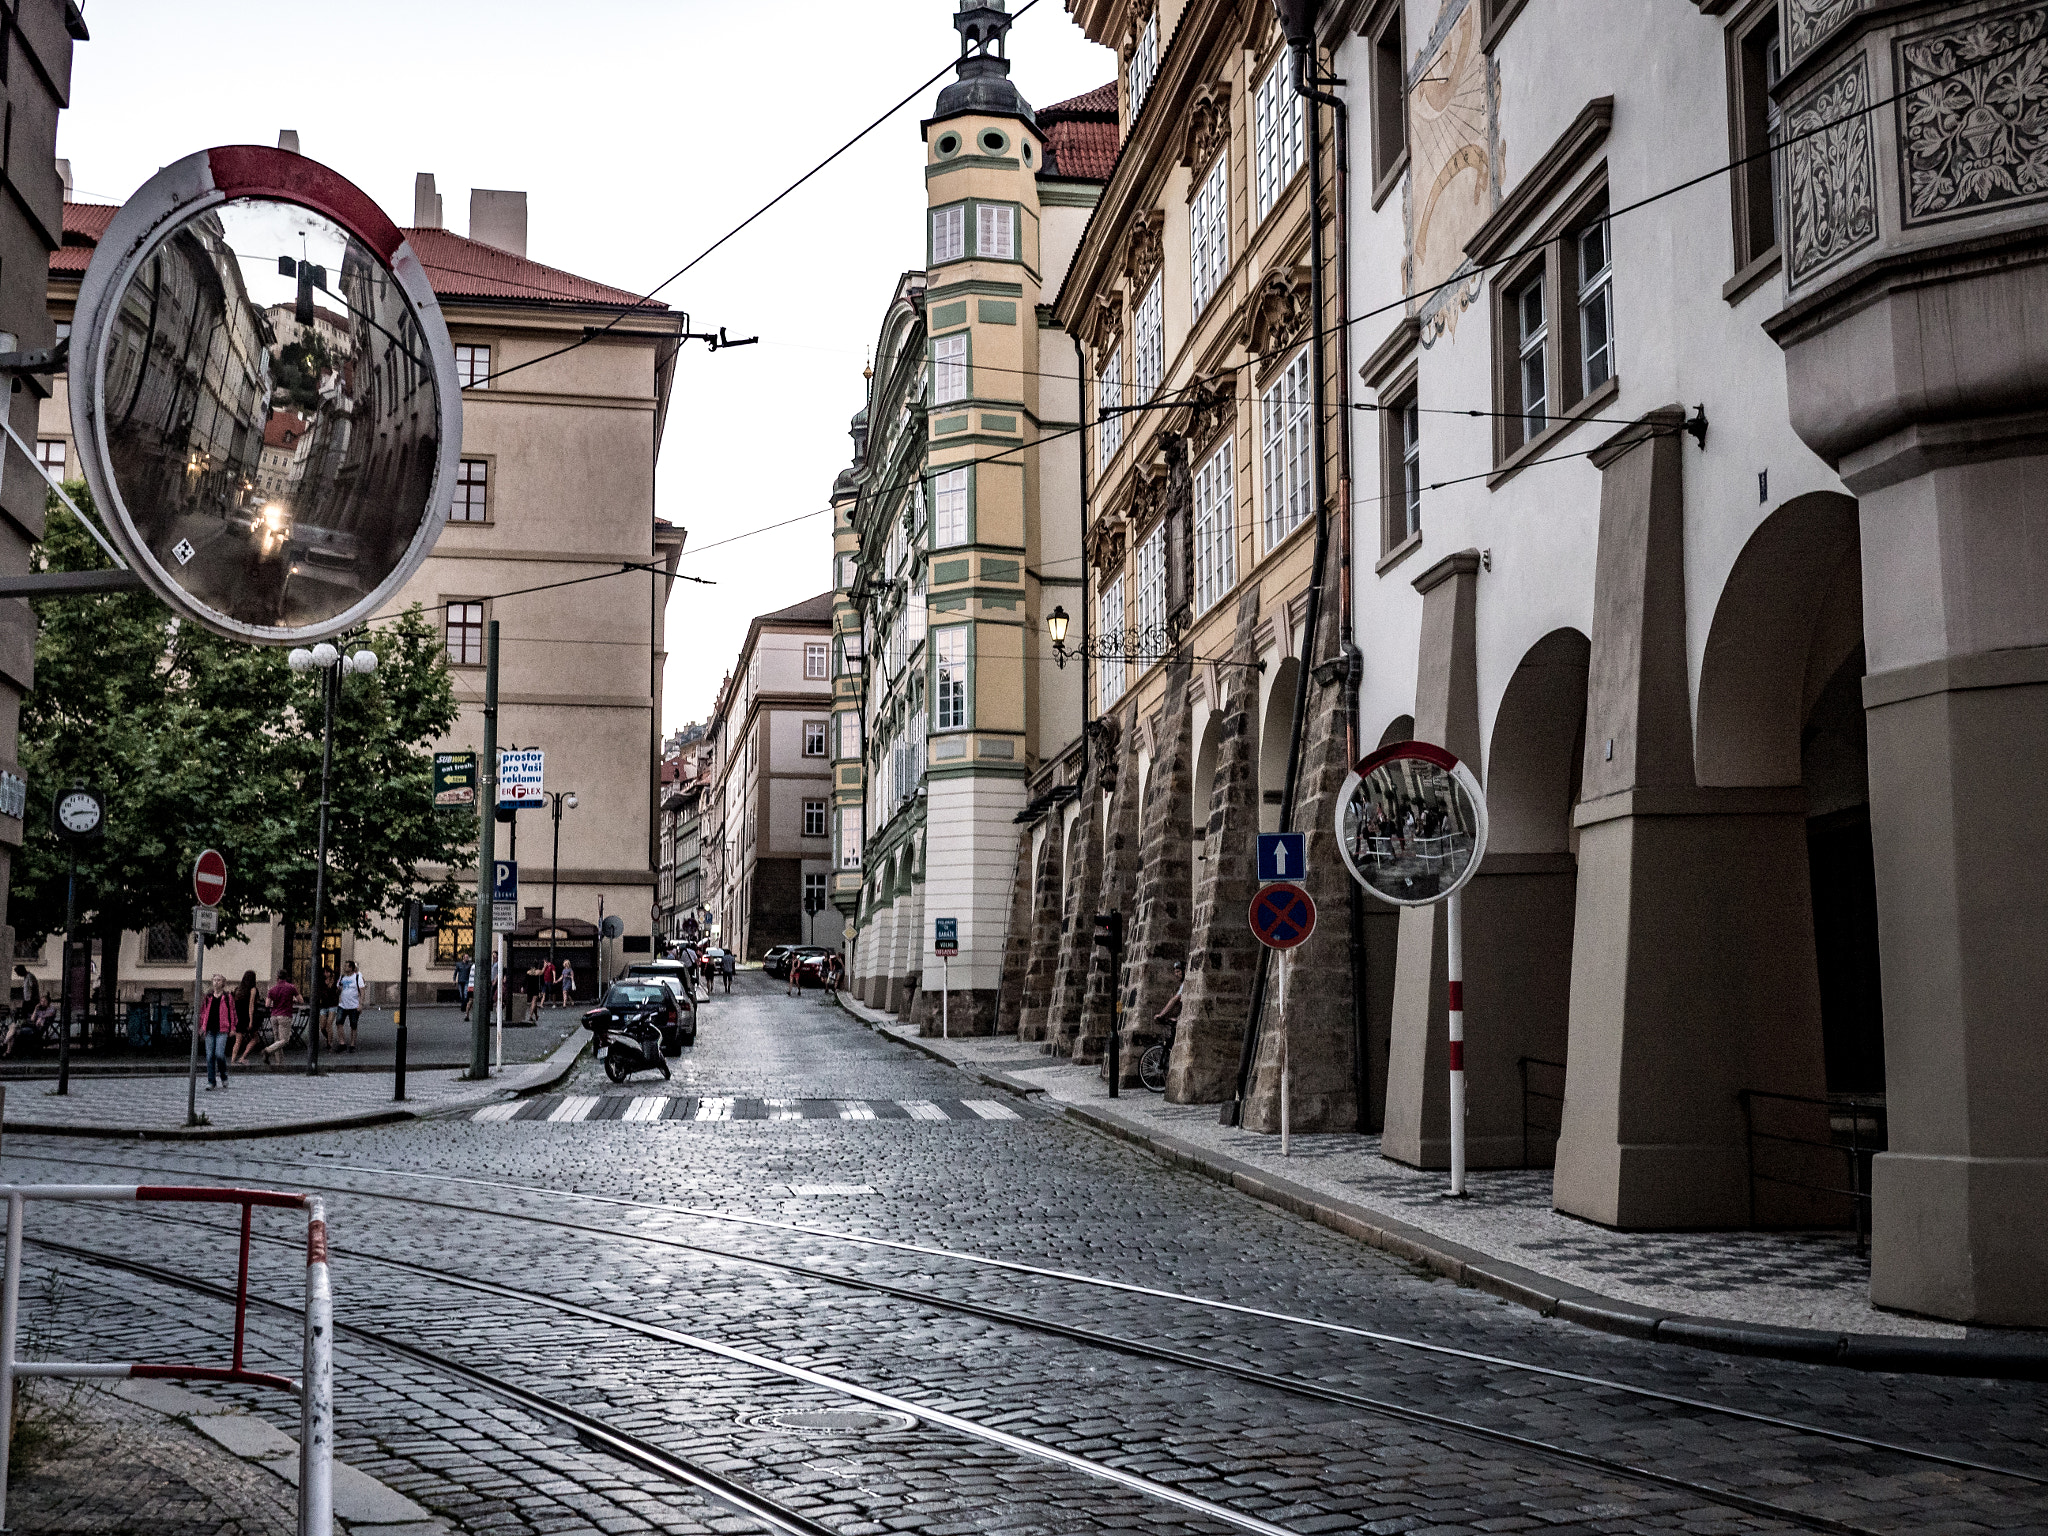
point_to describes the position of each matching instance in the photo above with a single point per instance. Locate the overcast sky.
(640, 130)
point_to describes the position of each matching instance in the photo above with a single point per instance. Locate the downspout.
(1296, 18)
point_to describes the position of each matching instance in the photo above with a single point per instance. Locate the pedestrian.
(217, 1029)
(465, 968)
(547, 983)
(835, 971)
(327, 1000)
(533, 986)
(349, 997)
(31, 991)
(284, 1001)
(246, 1036)
(565, 978)
(708, 963)
(795, 972)
(727, 964)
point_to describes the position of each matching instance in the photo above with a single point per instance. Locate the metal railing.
(315, 1389)
(1535, 1095)
(1856, 1131)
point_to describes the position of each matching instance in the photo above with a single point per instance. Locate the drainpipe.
(1297, 20)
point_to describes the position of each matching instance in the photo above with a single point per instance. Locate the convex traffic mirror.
(264, 395)
(1411, 823)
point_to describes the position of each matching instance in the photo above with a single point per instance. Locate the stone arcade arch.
(1276, 733)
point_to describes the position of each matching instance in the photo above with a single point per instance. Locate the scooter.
(626, 1046)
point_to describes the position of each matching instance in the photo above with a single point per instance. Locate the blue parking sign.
(1282, 855)
(946, 935)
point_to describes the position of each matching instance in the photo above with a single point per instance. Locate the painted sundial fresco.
(1454, 172)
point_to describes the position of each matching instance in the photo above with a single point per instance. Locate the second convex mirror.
(264, 395)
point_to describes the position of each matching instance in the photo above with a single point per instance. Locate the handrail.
(316, 1389)
(1522, 1066)
(1857, 1152)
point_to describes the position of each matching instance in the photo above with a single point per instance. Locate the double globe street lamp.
(331, 664)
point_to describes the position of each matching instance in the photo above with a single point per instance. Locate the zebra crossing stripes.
(644, 1108)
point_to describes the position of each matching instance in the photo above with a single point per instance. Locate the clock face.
(78, 812)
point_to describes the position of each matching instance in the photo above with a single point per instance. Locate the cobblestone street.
(819, 1265)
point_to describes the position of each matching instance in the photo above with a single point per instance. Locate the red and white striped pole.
(316, 1409)
(1455, 965)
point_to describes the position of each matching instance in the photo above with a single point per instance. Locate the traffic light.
(311, 275)
(422, 921)
(1109, 930)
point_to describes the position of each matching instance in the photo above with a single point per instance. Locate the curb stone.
(1541, 1293)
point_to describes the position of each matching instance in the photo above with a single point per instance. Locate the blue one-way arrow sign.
(1282, 855)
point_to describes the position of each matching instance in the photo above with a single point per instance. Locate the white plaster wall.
(1679, 343)
(970, 854)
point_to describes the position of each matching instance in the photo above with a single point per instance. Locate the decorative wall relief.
(1978, 137)
(1808, 21)
(1453, 170)
(1207, 130)
(1277, 312)
(1144, 250)
(1831, 175)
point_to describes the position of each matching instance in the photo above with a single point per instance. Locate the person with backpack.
(349, 1009)
(217, 1029)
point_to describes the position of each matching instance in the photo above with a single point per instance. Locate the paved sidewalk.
(270, 1101)
(1698, 1287)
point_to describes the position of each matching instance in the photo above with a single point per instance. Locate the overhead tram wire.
(1465, 275)
(647, 298)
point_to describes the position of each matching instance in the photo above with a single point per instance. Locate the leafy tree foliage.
(198, 741)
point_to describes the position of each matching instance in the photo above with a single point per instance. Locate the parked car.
(811, 966)
(632, 996)
(779, 959)
(774, 961)
(674, 970)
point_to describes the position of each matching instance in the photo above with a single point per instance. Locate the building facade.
(957, 531)
(685, 771)
(580, 675)
(771, 783)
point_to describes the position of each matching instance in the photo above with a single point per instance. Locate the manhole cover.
(838, 1421)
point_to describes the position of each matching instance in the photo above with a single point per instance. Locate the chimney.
(288, 140)
(499, 219)
(64, 175)
(426, 203)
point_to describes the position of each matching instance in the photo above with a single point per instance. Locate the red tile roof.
(458, 267)
(1081, 139)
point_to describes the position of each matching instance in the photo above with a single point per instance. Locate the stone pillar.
(1084, 886)
(1417, 1129)
(1045, 938)
(1016, 940)
(1119, 880)
(1917, 371)
(1165, 874)
(1314, 1023)
(1693, 972)
(1222, 954)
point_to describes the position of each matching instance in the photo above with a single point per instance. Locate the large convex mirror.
(1411, 822)
(272, 417)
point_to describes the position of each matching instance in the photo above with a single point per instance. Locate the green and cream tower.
(965, 532)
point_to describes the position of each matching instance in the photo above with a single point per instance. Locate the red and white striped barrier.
(316, 1390)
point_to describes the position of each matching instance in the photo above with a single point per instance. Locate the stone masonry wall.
(1045, 938)
(1165, 883)
(1016, 940)
(1119, 745)
(1222, 954)
(1070, 985)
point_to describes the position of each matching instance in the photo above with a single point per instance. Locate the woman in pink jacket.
(216, 1025)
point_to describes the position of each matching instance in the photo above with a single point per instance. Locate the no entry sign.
(1282, 915)
(210, 878)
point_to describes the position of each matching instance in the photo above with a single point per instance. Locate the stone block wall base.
(1032, 1025)
(1307, 1113)
(1661, 1187)
(969, 1011)
(1088, 1049)
(1961, 1237)
(1480, 1152)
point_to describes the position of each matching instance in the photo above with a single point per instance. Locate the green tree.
(199, 741)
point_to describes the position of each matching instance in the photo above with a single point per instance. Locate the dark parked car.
(778, 959)
(630, 999)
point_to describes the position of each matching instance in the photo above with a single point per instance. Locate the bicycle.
(1152, 1066)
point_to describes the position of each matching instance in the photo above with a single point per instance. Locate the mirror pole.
(481, 946)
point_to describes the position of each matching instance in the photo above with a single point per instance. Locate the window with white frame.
(914, 610)
(1110, 604)
(949, 234)
(472, 503)
(1532, 355)
(949, 508)
(465, 634)
(1596, 307)
(1109, 394)
(995, 231)
(949, 368)
(54, 454)
(849, 838)
(849, 735)
(1277, 128)
(1151, 607)
(1287, 445)
(1144, 65)
(814, 818)
(472, 366)
(1148, 340)
(1209, 235)
(848, 565)
(816, 658)
(949, 678)
(1215, 528)
(814, 738)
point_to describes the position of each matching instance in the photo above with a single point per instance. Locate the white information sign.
(519, 777)
(504, 916)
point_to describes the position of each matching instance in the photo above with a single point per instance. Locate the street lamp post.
(332, 665)
(561, 799)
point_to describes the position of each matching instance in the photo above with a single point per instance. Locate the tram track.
(1099, 1339)
(1286, 1384)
